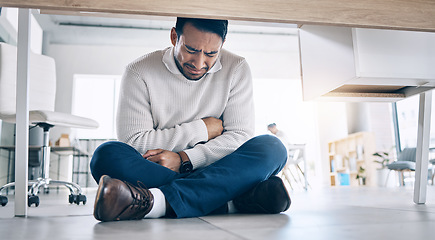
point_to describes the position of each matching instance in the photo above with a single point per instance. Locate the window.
(407, 117)
(96, 97)
(280, 101)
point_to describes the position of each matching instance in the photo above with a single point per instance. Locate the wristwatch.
(186, 165)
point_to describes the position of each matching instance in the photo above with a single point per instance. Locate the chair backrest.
(295, 155)
(407, 154)
(42, 81)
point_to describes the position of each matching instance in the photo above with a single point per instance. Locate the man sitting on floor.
(186, 121)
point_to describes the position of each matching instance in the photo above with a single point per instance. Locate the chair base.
(401, 174)
(75, 196)
(75, 190)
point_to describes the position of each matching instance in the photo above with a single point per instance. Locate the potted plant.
(383, 158)
(361, 176)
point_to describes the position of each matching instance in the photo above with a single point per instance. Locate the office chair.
(42, 74)
(405, 163)
(295, 156)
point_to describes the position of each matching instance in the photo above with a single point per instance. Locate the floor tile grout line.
(394, 209)
(225, 230)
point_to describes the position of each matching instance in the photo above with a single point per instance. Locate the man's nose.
(199, 61)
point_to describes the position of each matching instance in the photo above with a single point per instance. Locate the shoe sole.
(260, 207)
(280, 190)
(98, 197)
(284, 192)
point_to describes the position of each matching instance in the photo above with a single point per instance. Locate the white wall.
(381, 119)
(332, 125)
(269, 56)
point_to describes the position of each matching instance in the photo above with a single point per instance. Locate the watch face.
(186, 167)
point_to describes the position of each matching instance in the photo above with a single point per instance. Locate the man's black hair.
(220, 27)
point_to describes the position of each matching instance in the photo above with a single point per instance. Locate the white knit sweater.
(160, 108)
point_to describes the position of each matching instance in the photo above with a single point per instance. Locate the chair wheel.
(71, 198)
(81, 198)
(77, 199)
(33, 199)
(3, 200)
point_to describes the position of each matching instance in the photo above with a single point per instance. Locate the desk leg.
(22, 121)
(304, 155)
(422, 155)
(9, 177)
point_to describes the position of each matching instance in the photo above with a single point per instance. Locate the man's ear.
(174, 36)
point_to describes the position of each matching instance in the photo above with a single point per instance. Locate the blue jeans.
(204, 190)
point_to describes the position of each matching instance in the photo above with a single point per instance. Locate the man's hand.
(214, 127)
(164, 158)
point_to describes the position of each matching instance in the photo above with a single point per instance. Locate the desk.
(77, 154)
(10, 168)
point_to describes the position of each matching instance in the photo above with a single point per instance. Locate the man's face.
(195, 51)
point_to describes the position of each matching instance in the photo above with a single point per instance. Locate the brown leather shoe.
(118, 200)
(269, 196)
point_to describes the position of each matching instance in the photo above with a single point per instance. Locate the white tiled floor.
(329, 213)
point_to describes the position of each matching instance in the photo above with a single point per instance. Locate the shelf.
(352, 152)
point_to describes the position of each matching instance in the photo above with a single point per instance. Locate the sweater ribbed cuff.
(199, 129)
(197, 158)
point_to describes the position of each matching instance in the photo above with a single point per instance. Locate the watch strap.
(185, 164)
(183, 156)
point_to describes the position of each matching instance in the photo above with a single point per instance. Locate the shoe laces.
(141, 198)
